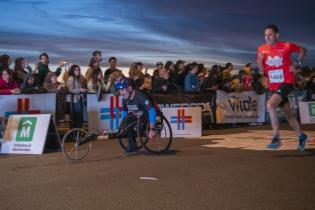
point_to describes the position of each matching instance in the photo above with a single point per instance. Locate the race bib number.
(276, 76)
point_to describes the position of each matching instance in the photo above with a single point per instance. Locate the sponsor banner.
(25, 134)
(104, 114)
(240, 107)
(307, 112)
(185, 122)
(294, 97)
(27, 104)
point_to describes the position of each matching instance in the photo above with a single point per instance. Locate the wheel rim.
(70, 144)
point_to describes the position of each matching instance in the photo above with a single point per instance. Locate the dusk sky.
(210, 31)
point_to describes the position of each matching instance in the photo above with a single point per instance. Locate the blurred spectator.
(112, 68)
(247, 85)
(201, 74)
(136, 74)
(5, 62)
(147, 83)
(191, 81)
(212, 82)
(256, 82)
(95, 63)
(170, 68)
(96, 83)
(30, 86)
(110, 86)
(76, 85)
(21, 70)
(299, 78)
(226, 84)
(162, 81)
(159, 65)
(7, 85)
(43, 68)
(51, 83)
(310, 87)
(180, 74)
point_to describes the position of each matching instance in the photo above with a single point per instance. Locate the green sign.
(26, 129)
(311, 109)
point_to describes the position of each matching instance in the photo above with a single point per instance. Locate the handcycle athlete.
(142, 124)
(134, 102)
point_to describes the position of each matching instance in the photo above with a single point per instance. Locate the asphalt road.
(209, 173)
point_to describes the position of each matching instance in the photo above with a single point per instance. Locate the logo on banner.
(181, 119)
(26, 129)
(311, 109)
(112, 113)
(23, 107)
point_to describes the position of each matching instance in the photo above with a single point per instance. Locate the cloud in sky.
(205, 31)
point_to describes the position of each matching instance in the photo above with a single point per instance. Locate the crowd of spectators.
(178, 76)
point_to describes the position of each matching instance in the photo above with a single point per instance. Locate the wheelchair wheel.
(72, 146)
(130, 122)
(163, 139)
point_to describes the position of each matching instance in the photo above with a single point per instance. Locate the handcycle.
(77, 143)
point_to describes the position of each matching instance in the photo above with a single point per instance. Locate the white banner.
(307, 112)
(240, 107)
(185, 122)
(104, 114)
(25, 134)
(27, 104)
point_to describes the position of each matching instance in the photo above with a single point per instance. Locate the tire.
(71, 147)
(161, 142)
(122, 136)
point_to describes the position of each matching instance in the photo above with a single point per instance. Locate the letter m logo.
(26, 129)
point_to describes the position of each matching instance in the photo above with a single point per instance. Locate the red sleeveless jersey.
(277, 63)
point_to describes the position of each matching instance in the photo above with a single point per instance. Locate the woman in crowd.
(162, 82)
(136, 74)
(7, 85)
(43, 68)
(5, 62)
(94, 65)
(76, 86)
(30, 85)
(96, 82)
(51, 83)
(21, 69)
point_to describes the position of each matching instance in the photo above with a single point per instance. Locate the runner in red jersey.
(274, 60)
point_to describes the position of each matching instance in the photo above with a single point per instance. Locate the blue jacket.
(191, 82)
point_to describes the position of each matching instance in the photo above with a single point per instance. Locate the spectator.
(162, 82)
(76, 85)
(21, 70)
(136, 74)
(256, 82)
(159, 66)
(5, 62)
(191, 81)
(170, 68)
(30, 85)
(247, 85)
(7, 85)
(201, 74)
(310, 87)
(212, 82)
(43, 68)
(147, 83)
(95, 63)
(226, 84)
(96, 83)
(51, 83)
(112, 68)
(180, 74)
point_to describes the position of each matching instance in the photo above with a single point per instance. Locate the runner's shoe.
(275, 143)
(302, 141)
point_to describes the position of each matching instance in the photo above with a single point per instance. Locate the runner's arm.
(260, 63)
